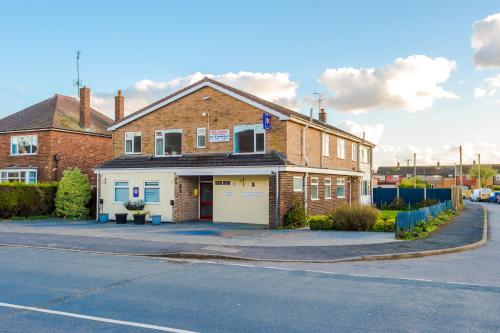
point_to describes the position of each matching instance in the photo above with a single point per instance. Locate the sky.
(417, 77)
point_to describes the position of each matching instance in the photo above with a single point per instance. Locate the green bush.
(295, 217)
(73, 194)
(23, 200)
(396, 204)
(385, 225)
(355, 218)
(426, 203)
(320, 222)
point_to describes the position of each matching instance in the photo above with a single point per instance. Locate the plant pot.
(139, 218)
(156, 219)
(104, 218)
(121, 218)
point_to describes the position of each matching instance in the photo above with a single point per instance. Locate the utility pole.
(414, 170)
(461, 174)
(479, 169)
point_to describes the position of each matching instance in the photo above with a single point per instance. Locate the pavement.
(219, 241)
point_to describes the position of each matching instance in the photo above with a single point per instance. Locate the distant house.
(38, 143)
(437, 176)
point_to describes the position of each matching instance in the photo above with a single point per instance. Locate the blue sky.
(125, 42)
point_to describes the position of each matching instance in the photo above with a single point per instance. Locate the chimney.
(84, 107)
(322, 115)
(398, 165)
(438, 164)
(119, 106)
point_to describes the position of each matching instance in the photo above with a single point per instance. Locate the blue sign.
(266, 121)
(135, 192)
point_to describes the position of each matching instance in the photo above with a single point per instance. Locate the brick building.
(38, 143)
(213, 152)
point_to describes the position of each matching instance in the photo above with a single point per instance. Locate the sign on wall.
(266, 121)
(220, 135)
(135, 192)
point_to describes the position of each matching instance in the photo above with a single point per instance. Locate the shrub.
(385, 224)
(320, 222)
(23, 200)
(73, 194)
(295, 217)
(396, 204)
(426, 203)
(355, 218)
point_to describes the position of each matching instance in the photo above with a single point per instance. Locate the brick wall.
(186, 204)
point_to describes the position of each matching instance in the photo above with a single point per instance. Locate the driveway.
(221, 234)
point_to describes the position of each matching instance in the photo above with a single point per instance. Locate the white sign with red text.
(220, 135)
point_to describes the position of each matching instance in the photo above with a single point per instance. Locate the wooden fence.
(408, 220)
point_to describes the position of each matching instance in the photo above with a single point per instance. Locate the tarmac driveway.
(224, 234)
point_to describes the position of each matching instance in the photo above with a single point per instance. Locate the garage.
(241, 199)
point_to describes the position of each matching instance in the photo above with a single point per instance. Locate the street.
(102, 293)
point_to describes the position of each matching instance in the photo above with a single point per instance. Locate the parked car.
(480, 194)
(494, 197)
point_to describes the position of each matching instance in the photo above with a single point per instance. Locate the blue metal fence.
(412, 196)
(408, 220)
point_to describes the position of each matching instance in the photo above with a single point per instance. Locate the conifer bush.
(73, 194)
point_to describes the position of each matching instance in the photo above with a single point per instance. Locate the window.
(340, 148)
(328, 188)
(497, 177)
(365, 187)
(340, 188)
(314, 189)
(152, 192)
(28, 176)
(201, 138)
(223, 183)
(298, 184)
(364, 155)
(436, 177)
(381, 178)
(451, 176)
(249, 139)
(354, 152)
(408, 175)
(395, 177)
(168, 142)
(326, 144)
(121, 191)
(24, 145)
(133, 142)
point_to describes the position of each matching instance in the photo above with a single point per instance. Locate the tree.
(410, 183)
(487, 173)
(73, 193)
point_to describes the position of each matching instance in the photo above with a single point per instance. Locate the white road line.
(99, 319)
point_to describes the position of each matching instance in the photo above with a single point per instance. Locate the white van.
(480, 194)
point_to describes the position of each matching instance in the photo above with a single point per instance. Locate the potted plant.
(137, 206)
(121, 218)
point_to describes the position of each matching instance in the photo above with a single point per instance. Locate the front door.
(206, 201)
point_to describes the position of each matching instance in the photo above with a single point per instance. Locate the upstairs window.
(341, 148)
(249, 139)
(24, 145)
(326, 144)
(354, 152)
(201, 138)
(364, 155)
(168, 142)
(133, 142)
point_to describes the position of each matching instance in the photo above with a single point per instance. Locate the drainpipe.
(277, 198)
(350, 191)
(306, 161)
(97, 199)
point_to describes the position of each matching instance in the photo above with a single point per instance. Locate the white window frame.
(364, 152)
(26, 178)
(340, 182)
(201, 132)
(341, 148)
(326, 144)
(395, 177)
(121, 186)
(163, 132)
(328, 185)
(34, 142)
(133, 134)
(408, 175)
(381, 178)
(354, 152)
(436, 177)
(152, 187)
(363, 187)
(451, 176)
(295, 189)
(315, 183)
(257, 129)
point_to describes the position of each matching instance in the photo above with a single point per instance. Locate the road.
(100, 293)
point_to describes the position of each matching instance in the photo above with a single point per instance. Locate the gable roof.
(272, 108)
(58, 112)
(429, 170)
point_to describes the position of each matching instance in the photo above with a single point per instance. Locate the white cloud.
(486, 42)
(373, 133)
(274, 87)
(488, 88)
(411, 84)
(446, 154)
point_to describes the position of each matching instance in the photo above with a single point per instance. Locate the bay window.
(24, 145)
(133, 142)
(168, 142)
(249, 139)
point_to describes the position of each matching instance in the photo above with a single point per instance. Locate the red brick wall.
(185, 204)
(75, 150)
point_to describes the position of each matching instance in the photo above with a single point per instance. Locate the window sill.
(180, 155)
(328, 198)
(20, 155)
(341, 197)
(133, 153)
(152, 203)
(314, 199)
(260, 152)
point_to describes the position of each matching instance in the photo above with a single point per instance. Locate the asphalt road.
(100, 293)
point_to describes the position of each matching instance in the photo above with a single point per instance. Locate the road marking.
(93, 318)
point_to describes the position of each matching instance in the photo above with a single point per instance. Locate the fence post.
(425, 192)
(397, 191)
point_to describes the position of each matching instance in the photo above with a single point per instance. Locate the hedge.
(320, 222)
(19, 199)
